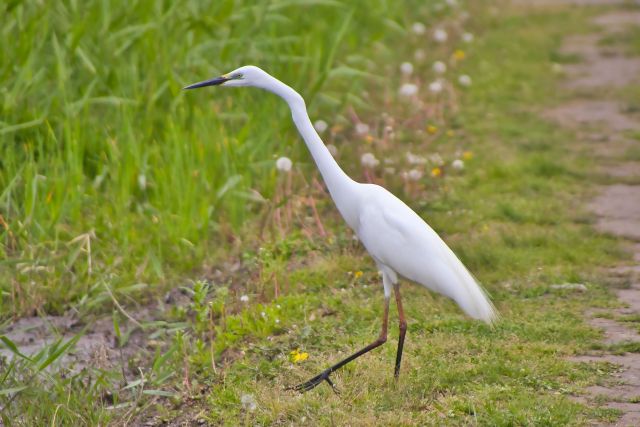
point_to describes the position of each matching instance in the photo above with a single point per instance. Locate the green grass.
(97, 136)
(93, 104)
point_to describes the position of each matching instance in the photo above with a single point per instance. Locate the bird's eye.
(236, 76)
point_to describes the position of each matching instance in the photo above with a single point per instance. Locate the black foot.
(314, 382)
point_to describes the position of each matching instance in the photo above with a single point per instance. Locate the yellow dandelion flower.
(459, 54)
(436, 172)
(297, 356)
(467, 155)
(450, 133)
(358, 274)
(432, 129)
(368, 139)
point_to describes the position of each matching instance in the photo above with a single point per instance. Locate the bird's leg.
(402, 327)
(324, 375)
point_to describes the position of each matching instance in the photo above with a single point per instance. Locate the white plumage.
(402, 243)
(399, 241)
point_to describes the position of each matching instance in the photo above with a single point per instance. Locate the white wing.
(397, 237)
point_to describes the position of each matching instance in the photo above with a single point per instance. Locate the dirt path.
(603, 123)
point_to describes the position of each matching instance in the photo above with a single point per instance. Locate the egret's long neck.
(340, 186)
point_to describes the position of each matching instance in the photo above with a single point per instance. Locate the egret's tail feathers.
(477, 303)
(463, 288)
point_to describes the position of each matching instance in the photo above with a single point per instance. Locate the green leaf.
(4, 392)
(14, 348)
(60, 351)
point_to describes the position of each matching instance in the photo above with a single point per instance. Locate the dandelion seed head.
(414, 175)
(464, 80)
(440, 35)
(436, 159)
(362, 128)
(248, 402)
(408, 90)
(244, 298)
(406, 68)
(439, 67)
(320, 126)
(436, 87)
(418, 28)
(414, 159)
(368, 160)
(419, 55)
(457, 164)
(284, 164)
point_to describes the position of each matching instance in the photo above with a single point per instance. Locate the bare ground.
(602, 123)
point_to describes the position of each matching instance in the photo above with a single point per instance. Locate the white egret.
(398, 240)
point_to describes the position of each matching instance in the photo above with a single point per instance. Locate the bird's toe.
(314, 382)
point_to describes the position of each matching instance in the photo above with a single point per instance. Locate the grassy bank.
(174, 191)
(99, 144)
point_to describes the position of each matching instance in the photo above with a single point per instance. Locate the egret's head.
(248, 75)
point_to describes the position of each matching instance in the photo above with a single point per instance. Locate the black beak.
(213, 82)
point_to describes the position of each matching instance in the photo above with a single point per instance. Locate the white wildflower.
(408, 89)
(320, 126)
(418, 28)
(369, 160)
(467, 37)
(142, 181)
(439, 67)
(263, 314)
(278, 306)
(244, 298)
(464, 80)
(406, 68)
(332, 149)
(277, 320)
(452, 3)
(457, 164)
(440, 35)
(436, 87)
(362, 128)
(248, 402)
(284, 164)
